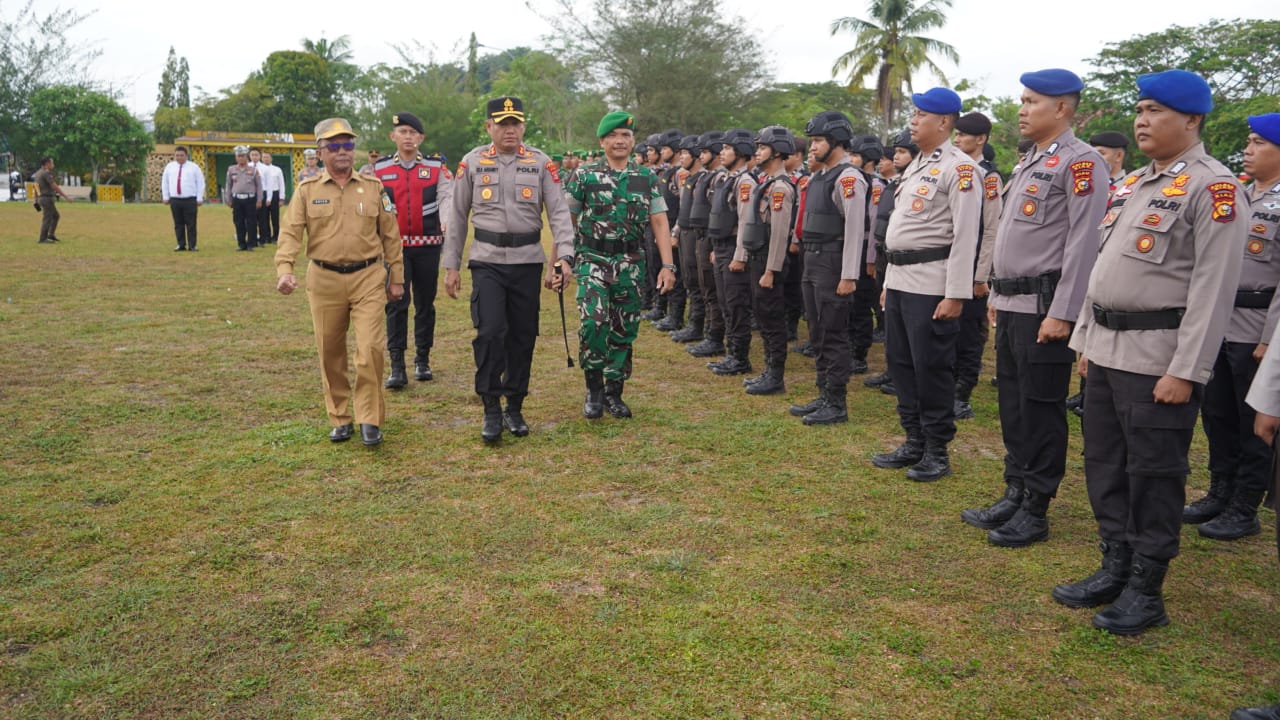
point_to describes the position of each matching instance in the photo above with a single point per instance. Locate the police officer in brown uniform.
(1239, 462)
(730, 208)
(46, 201)
(709, 147)
(503, 187)
(243, 192)
(354, 245)
(1045, 248)
(686, 233)
(930, 244)
(1152, 321)
(833, 235)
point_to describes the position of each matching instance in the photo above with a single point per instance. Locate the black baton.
(564, 327)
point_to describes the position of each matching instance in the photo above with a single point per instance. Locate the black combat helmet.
(869, 148)
(713, 141)
(832, 124)
(904, 141)
(670, 138)
(778, 138)
(742, 140)
(692, 143)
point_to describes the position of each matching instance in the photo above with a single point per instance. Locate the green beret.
(557, 158)
(613, 121)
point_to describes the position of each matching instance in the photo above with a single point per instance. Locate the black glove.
(36, 204)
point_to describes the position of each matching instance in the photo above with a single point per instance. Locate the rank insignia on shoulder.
(1224, 201)
(1082, 177)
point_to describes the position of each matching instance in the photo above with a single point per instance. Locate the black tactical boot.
(491, 430)
(999, 512)
(613, 400)
(513, 420)
(1103, 586)
(1212, 504)
(669, 323)
(1270, 712)
(656, 313)
(594, 405)
(832, 411)
(910, 452)
(1237, 521)
(736, 363)
(771, 383)
(935, 464)
(691, 333)
(859, 366)
(963, 410)
(709, 347)
(397, 378)
(875, 381)
(422, 366)
(1141, 603)
(1028, 525)
(805, 409)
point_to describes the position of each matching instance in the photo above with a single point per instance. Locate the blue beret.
(1181, 90)
(1054, 81)
(939, 101)
(1268, 126)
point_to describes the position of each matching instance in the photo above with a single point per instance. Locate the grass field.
(178, 539)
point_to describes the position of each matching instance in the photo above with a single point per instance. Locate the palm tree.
(336, 51)
(891, 47)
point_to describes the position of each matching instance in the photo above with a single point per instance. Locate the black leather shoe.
(422, 371)
(1104, 585)
(341, 433)
(707, 348)
(875, 381)
(491, 428)
(998, 513)
(889, 389)
(1271, 712)
(180, 249)
(907, 454)
(370, 434)
(396, 379)
(1232, 524)
(514, 422)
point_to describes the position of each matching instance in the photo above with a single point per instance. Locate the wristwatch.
(669, 266)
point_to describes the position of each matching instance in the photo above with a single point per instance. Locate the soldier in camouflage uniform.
(613, 201)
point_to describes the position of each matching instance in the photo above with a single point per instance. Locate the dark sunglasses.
(335, 147)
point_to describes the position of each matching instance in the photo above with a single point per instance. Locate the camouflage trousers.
(610, 291)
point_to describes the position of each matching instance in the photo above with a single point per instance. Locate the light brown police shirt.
(343, 225)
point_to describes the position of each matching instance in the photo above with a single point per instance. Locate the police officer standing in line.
(182, 189)
(765, 237)
(1153, 319)
(709, 147)
(504, 187)
(900, 156)
(686, 237)
(972, 131)
(1239, 462)
(866, 155)
(352, 240)
(833, 233)
(795, 168)
(670, 173)
(613, 201)
(1044, 251)
(272, 195)
(930, 245)
(1264, 396)
(419, 187)
(310, 166)
(243, 192)
(730, 208)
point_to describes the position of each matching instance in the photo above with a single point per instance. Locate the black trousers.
(421, 275)
(269, 219)
(770, 306)
(862, 318)
(920, 353)
(714, 319)
(734, 291)
(1135, 459)
(244, 213)
(689, 276)
(792, 273)
(504, 311)
(974, 331)
(1235, 453)
(1034, 381)
(828, 315)
(184, 221)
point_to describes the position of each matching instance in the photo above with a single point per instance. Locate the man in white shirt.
(272, 197)
(182, 189)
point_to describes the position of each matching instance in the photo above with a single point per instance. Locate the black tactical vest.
(723, 222)
(700, 212)
(670, 195)
(822, 219)
(685, 216)
(756, 232)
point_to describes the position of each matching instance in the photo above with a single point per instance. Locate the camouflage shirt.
(613, 207)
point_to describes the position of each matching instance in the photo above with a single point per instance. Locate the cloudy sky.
(224, 41)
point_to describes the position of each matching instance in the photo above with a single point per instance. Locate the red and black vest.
(414, 190)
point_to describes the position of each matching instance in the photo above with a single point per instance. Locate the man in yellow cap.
(354, 242)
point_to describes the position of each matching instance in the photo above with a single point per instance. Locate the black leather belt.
(915, 257)
(346, 269)
(724, 242)
(512, 240)
(1255, 298)
(1028, 285)
(1148, 320)
(823, 247)
(243, 196)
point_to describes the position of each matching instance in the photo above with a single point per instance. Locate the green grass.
(179, 540)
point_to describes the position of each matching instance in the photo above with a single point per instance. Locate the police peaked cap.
(1181, 90)
(869, 148)
(778, 138)
(1110, 139)
(832, 124)
(939, 101)
(1267, 126)
(1052, 82)
(742, 140)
